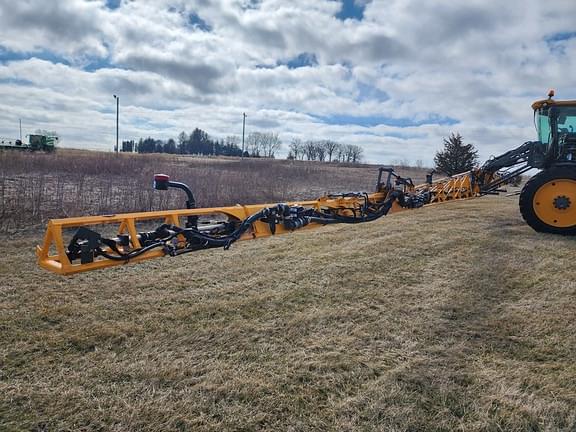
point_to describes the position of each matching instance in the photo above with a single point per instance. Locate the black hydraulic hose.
(382, 211)
(368, 218)
(227, 240)
(133, 254)
(137, 252)
(216, 241)
(191, 203)
(323, 220)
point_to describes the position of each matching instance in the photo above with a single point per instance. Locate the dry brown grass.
(37, 187)
(451, 317)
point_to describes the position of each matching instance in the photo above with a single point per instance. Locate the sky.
(393, 76)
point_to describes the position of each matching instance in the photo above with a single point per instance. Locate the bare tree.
(320, 151)
(331, 148)
(254, 144)
(264, 144)
(297, 148)
(357, 153)
(341, 153)
(232, 140)
(310, 150)
(271, 143)
(347, 153)
(326, 150)
(402, 163)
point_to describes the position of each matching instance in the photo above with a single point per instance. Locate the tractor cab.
(556, 126)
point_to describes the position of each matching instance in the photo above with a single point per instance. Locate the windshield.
(563, 117)
(566, 120)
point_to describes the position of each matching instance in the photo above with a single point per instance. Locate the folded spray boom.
(177, 232)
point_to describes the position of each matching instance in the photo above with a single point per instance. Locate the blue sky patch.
(113, 4)
(251, 4)
(108, 109)
(405, 135)
(367, 92)
(562, 36)
(147, 123)
(195, 21)
(376, 120)
(7, 55)
(97, 63)
(89, 64)
(301, 60)
(351, 9)
(15, 81)
(556, 42)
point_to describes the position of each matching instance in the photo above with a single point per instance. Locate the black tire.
(529, 191)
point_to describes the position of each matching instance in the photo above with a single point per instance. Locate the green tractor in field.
(45, 143)
(36, 142)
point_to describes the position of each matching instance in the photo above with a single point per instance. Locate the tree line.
(324, 151)
(456, 156)
(257, 144)
(198, 142)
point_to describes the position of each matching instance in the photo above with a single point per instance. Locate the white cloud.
(479, 63)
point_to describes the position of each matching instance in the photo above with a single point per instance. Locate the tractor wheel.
(548, 201)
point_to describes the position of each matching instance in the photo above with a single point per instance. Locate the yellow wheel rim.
(555, 203)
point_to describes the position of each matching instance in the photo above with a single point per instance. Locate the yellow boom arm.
(187, 230)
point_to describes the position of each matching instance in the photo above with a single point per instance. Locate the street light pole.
(117, 114)
(243, 129)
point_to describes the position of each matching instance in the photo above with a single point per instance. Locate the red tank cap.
(161, 177)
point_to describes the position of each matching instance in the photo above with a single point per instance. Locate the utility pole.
(20, 130)
(117, 114)
(243, 129)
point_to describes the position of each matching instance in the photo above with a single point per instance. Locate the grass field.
(452, 317)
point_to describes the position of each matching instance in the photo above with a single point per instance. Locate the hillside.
(451, 317)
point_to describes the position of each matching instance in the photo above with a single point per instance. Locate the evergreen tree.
(170, 146)
(147, 146)
(199, 143)
(456, 157)
(182, 140)
(159, 147)
(128, 146)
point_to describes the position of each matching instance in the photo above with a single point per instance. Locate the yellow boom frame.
(52, 253)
